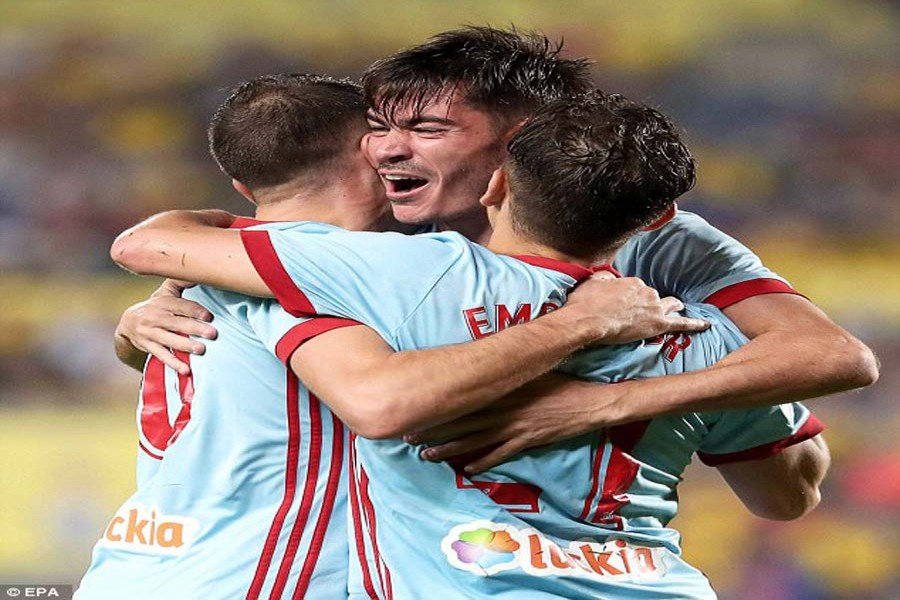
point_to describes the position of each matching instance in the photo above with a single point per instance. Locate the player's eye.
(429, 130)
(376, 127)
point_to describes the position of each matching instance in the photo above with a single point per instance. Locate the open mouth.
(403, 185)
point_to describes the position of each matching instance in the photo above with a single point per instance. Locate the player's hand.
(158, 325)
(547, 410)
(622, 310)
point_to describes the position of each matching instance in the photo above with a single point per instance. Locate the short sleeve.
(282, 333)
(375, 278)
(692, 260)
(756, 434)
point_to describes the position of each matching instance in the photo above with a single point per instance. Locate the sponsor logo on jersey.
(145, 529)
(486, 548)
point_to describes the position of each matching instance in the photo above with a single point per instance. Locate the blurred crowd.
(795, 123)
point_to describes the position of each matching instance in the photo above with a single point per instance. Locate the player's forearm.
(772, 369)
(414, 390)
(795, 353)
(191, 246)
(157, 245)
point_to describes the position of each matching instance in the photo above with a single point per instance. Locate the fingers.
(168, 358)
(671, 304)
(686, 324)
(493, 458)
(184, 308)
(602, 275)
(173, 341)
(186, 326)
(454, 429)
(460, 446)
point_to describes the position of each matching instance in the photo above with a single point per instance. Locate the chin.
(412, 214)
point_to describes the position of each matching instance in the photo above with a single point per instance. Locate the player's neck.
(505, 240)
(340, 203)
(473, 225)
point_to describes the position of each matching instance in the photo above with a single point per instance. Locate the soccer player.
(442, 112)
(582, 519)
(242, 488)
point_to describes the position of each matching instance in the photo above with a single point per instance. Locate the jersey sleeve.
(282, 333)
(376, 278)
(756, 434)
(690, 259)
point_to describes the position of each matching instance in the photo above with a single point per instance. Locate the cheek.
(368, 145)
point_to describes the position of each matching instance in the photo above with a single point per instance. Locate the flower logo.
(484, 550)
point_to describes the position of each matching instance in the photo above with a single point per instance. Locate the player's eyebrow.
(411, 122)
(426, 118)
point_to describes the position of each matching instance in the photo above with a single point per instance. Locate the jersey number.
(620, 472)
(156, 427)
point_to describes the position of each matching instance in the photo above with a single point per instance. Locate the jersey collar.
(242, 222)
(576, 272)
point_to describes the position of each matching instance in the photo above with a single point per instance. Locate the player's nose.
(389, 148)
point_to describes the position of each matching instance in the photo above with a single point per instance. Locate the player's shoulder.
(683, 224)
(295, 226)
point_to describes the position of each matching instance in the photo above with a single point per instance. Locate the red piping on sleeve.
(747, 289)
(810, 429)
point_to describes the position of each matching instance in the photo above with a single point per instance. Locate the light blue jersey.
(586, 518)
(690, 259)
(242, 489)
(581, 519)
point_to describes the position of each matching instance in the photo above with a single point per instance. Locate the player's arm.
(796, 352)
(380, 393)
(784, 486)
(193, 246)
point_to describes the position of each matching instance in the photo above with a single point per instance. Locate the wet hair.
(588, 172)
(507, 73)
(276, 127)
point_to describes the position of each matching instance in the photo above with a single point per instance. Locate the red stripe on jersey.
(621, 470)
(810, 429)
(384, 574)
(266, 262)
(147, 452)
(306, 501)
(290, 485)
(517, 497)
(334, 480)
(356, 515)
(305, 331)
(595, 483)
(747, 289)
(186, 391)
(154, 408)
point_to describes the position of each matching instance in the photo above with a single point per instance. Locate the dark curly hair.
(508, 73)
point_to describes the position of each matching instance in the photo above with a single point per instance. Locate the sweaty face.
(435, 163)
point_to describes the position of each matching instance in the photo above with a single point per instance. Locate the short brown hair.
(274, 127)
(588, 172)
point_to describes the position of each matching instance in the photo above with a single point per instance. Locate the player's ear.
(243, 190)
(667, 216)
(512, 131)
(497, 189)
